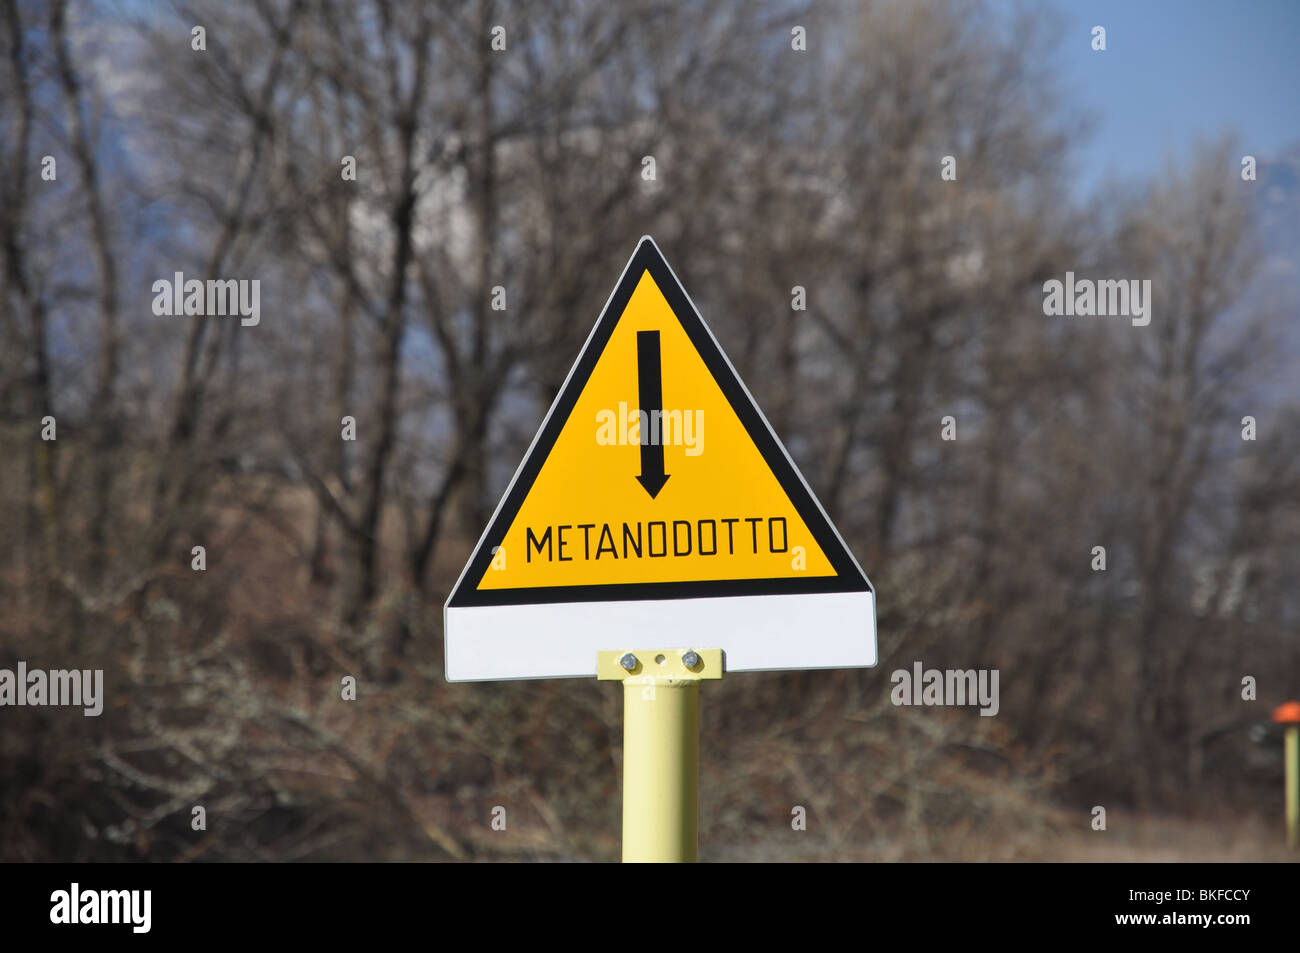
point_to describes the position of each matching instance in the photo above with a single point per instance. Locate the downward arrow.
(650, 391)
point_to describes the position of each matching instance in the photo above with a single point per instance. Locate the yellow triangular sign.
(653, 478)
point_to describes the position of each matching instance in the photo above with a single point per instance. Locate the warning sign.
(653, 479)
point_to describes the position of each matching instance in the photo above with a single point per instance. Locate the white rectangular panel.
(756, 633)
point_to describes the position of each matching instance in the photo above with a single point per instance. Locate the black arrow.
(650, 390)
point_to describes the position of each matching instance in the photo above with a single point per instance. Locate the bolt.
(690, 658)
(628, 661)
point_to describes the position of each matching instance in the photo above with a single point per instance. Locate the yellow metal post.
(661, 748)
(1292, 743)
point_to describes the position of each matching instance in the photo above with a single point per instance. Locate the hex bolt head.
(628, 662)
(690, 658)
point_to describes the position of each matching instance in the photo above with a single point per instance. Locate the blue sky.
(1175, 71)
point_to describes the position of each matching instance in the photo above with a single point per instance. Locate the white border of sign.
(560, 640)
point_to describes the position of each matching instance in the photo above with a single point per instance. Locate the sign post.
(656, 506)
(1289, 714)
(661, 748)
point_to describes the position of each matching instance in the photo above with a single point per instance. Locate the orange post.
(1289, 714)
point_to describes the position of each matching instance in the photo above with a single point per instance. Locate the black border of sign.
(848, 577)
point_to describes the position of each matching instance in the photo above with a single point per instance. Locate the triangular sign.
(656, 507)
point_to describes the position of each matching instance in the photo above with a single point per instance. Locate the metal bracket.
(667, 665)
